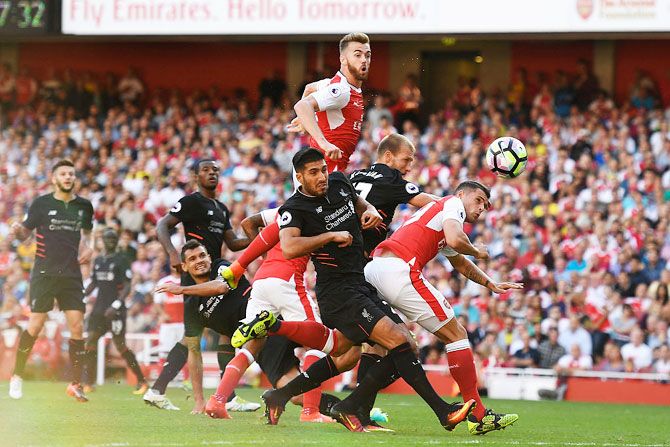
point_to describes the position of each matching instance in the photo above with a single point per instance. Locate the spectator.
(612, 360)
(636, 351)
(623, 322)
(575, 334)
(273, 87)
(409, 101)
(7, 88)
(130, 216)
(574, 361)
(662, 365)
(377, 111)
(526, 356)
(586, 85)
(550, 350)
(131, 87)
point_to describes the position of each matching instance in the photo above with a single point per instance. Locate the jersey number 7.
(363, 189)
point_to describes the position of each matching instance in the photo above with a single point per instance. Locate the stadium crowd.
(586, 228)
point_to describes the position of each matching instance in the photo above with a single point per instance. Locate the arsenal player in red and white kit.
(279, 287)
(331, 110)
(172, 330)
(395, 271)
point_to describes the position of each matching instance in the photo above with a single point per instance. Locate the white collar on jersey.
(344, 79)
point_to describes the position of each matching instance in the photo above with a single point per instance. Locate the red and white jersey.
(421, 237)
(275, 264)
(173, 305)
(340, 117)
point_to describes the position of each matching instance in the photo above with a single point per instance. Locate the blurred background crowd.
(585, 228)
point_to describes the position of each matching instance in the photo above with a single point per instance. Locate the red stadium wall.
(164, 64)
(549, 56)
(624, 391)
(649, 56)
(379, 72)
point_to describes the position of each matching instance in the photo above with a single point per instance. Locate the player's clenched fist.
(333, 152)
(342, 238)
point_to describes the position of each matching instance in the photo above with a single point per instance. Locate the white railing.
(524, 383)
(595, 374)
(146, 355)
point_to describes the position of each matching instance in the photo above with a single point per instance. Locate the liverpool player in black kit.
(111, 276)
(206, 220)
(322, 219)
(62, 222)
(217, 307)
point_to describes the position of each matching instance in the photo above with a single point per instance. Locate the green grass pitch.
(115, 418)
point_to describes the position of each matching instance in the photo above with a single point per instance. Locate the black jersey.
(58, 228)
(385, 189)
(220, 313)
(110, 274)
(333, 212)
(204, 219)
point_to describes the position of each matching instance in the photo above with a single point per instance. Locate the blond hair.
(393, 143)
(353, 37)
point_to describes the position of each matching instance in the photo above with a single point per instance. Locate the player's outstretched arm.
(423, 199)
(210, 288)
(163, 228)
(457, 240)
(294, 245)
(470, 270)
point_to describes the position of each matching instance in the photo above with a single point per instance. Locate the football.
(507, 157)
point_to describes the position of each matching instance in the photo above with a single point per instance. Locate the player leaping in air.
(331, 110)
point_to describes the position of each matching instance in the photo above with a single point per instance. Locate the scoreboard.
(19, 18)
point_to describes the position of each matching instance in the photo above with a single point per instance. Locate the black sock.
(90, 363)
(78, 356)
(175, 361)
(367, 360)
(130, 359)
(326, 403)
(377, 377)
(225, 353)
(409, 367)
(26, 342)
(322, 370)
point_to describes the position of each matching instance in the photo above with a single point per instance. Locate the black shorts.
(68, 291)
(277, 358)
(100, 324)
(225, 317)
(354, 309)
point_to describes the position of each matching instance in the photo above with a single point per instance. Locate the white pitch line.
(381, 440)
